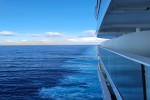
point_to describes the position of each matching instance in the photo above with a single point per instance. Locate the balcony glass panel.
(147, 76)
(127, 75)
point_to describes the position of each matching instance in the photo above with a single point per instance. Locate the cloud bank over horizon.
(49, 38)
(7, 33)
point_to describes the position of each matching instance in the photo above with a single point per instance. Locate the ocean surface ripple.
(49, 73)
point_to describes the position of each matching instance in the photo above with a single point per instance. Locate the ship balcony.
(124, 76)
(124, 61)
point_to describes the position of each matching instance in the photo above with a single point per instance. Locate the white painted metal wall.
(137, 43)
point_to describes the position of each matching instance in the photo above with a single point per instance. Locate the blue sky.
(47, 22)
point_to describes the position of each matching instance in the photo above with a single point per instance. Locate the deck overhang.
(122, 16)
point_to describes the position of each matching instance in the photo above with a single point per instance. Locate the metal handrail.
(133, 57)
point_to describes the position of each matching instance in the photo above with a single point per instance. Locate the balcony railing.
(128, 76)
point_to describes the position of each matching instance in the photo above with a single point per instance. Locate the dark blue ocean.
(49, 73)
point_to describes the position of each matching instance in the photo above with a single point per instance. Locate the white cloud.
(87, 40)
(56, 34)
(47, 41)
(9, 41)
(36, 35)
(50, 38)
(7, 33)
(24, 40)
(44, 40)
(90, 32)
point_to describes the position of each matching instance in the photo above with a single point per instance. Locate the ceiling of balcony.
(124, 16)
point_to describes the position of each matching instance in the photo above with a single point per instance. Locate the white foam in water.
(60, 93)
(79, 86)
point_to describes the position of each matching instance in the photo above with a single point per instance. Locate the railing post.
(144, 82)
